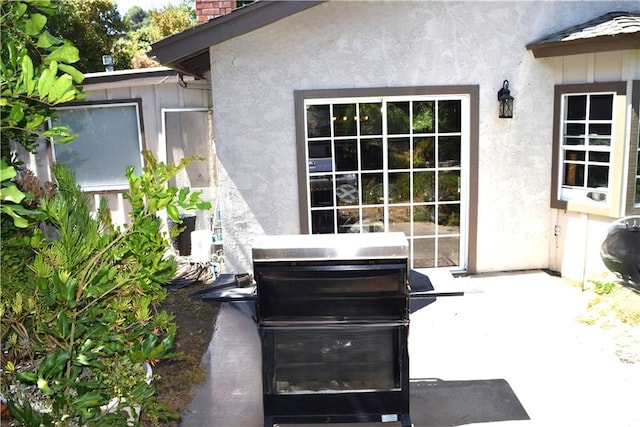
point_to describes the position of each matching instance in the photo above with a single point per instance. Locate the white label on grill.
(389, 418)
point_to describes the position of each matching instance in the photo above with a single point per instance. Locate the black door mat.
(438, 403)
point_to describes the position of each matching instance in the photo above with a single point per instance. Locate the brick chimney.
(209, 9)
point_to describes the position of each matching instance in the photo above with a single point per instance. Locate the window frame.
(137, 103)
(632, 205)
(471, 91)
(612, 206)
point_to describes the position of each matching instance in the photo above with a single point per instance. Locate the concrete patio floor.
(512, 342)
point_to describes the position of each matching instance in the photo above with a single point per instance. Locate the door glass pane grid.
(586, 140)
(414, 187)
(436, 184)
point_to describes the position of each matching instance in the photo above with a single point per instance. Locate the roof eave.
(178, 50)
(625, 41)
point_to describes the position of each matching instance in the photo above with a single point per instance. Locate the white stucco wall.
(387, 44)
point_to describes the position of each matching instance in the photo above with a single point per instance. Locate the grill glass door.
(348, 291)
(332, 359)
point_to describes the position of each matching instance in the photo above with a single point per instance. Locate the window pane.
(320, 156)
(449, 151)
(573, 141)
(595, 156)
(598, 176)
(318, 121)
(574, 156)
(573, 175)
(371, 119)
(108, 142)
(399, 187)
(424, 117)
(348, 220)
(576, 107)
(400, 219)
(397, 117)
(347, 155)
(321, 190)
(600, 141)
(371, 154)
(449, 218)
(344, 119)
(424, 152)
(398, 152)
(600, 129)
(449, 185)
(601, 107)
(373, 189)
(424, 253)
(574, 129)
(424, 187)
(448, 252)
(423, 220)
(372, 221)
(347, 192)
(449, 116)
(322, 222)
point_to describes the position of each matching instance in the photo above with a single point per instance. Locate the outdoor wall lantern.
(506, 101)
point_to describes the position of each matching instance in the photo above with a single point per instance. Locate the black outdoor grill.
(333, 318)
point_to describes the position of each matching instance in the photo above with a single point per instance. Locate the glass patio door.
(392, 164)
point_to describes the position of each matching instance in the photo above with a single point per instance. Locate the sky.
(124, 5)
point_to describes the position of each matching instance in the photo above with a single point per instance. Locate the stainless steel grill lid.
(323, 247)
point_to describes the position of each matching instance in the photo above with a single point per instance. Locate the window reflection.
(448, 251)
(318, 121)
(371, 119)
(424, 187)
(398, 117)
(371, 154)
(321, 190)
(344, 119)
(398, 153)
(424, 117)
(373, 187)
(399, 184)
(449, 151)
(449, 117)
(424, 152)
(449, 217)
(601, 107)
(347, 192)
(322, 222)
(448, 185)
(400, 219)
(576, 107)
(346, 155)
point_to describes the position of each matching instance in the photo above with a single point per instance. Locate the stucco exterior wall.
(387, 44)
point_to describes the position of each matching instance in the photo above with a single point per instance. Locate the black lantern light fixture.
(506, 101)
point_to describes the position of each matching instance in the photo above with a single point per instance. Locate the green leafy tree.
(130, 51)
(35, 75)
(136, 17)
(76, 338)
(93, 26)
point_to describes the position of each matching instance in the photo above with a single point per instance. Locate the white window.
(589, 148)
(587, 131)
(394, 163)
(110, 139)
